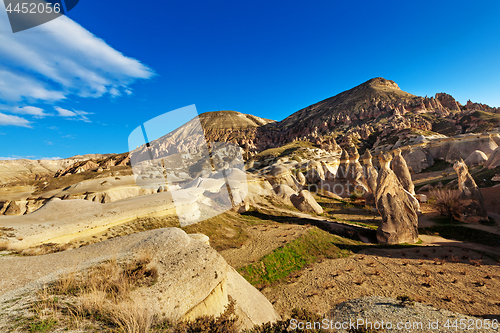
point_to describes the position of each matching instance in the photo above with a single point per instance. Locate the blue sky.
(80, 84)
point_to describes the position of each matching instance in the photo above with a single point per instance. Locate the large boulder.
(284, 193)
(476, 158)
(193, 279)
(300, 178)
(396, 205)
(493, 160)
(463, 147)
(305, 202)
(470, 207)
(418, 159)
(280, 175)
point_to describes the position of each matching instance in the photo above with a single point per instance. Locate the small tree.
(445, 200)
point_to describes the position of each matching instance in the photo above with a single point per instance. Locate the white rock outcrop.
(193, 279)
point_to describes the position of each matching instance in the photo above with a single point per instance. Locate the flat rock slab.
(410, 317)
(62, 221)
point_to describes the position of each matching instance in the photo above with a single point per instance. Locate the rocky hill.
(25, 170)
(376, 112)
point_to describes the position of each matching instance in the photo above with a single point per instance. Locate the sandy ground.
(440, 276)
(15, 192)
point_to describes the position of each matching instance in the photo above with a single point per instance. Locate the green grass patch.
(225, 231)
(463, 234)
(285, 150)
(42, 326)
(294, 256)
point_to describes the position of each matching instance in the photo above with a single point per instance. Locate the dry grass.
(102, 294)
(45, 249)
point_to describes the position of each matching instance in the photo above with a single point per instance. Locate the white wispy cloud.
(30, 157)
(30, 110)
(57, 60)
(60, 58)
(7, 119)
(73, 114)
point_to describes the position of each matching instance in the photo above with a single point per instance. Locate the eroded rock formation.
(343, 169)
(369, 179)
(305, 202)
(493, 160)
(193, 279)
(470, 208)
(398, 165)
(400, 220)
(355, 173)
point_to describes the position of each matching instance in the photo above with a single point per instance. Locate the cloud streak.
(31, 110)
(7, 119)
(56, 61)
(74, 114)
(68, 58)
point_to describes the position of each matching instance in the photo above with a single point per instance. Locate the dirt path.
(337, 227)
(428, 240)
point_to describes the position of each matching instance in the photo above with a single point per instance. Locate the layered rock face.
(233, 127)
(470, 208)
(394, 203)
(24, 170)
(99, 165)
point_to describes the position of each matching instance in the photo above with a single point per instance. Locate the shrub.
(445, 200)
(405, 300)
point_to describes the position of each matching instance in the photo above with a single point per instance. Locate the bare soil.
(443, 273)
(440, 276)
